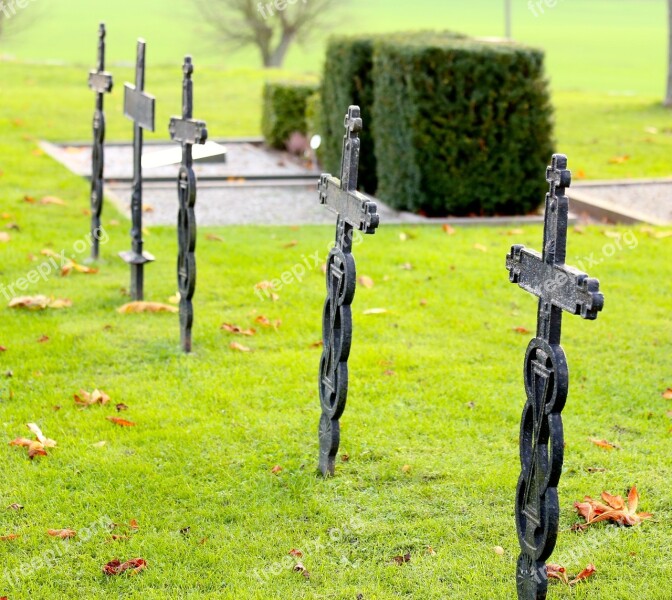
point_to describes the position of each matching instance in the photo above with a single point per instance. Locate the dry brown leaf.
(121, 422)
(121, 406)
(38, 302)
(291, 244)
(83, 398)
(667, 394)
(583, 575)
(619, 160)
(299, 568)
(239, 347)
(3, 348)
(264, 285)
(52, 200)
(276, 469)
(604, 444)
(559, 572)
(400, 560)
(15, 506)
(448, 229)
(9, 538)
(211, 237)
(615, 510)
(37, 432)
(64, 534)
(144, 307)
(237, 330)
(42, 339)
(317, 344)
(522, 330)
(296, 553)
(365, 281)
(266, 322)
(116, 567)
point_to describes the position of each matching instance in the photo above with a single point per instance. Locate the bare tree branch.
(270, 25)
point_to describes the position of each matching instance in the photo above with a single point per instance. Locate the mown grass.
(211, 426)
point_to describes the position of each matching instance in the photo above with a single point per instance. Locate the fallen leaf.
(116, 567)
(121, 406)
(9, 538)
(3, 349)
(583, 575)
(291, 244)
(276, 469)
(448, 229)
(266, 322)
(38, 302)
(522, 330)
(37, 432)
(431, 551)
(143, 307)
(264, 285)
(667, 394)
(42, 339)
(121, 422)
(239, 347)
(237, 330)
(365, 281)
(400, 560)
(52, 200)
(185, 530)
(4, 237)
(317, 344)
(515, 232)
(615, 510)
(15, 506)
(64, 534)
(299, 568)
(554, 571)
(345, 457)
(83, 398)
(375, 311)
(133, 524)
(211, 237)
(148, 208)
(619, 160)
(296, 553)
(604, 444)
(406, 469)
(480, 247)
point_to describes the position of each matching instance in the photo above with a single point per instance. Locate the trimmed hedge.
(284, 111)
(461, 126)
(347, 80)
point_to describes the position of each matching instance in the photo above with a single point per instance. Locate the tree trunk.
(668, 97)
(278, 56)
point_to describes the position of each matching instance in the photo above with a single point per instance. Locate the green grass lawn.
(435, 398)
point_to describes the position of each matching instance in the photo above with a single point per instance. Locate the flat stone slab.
(243, 160)
(629, 201)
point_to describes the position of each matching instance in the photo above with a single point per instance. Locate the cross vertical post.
(139, 107)
(100, 81)
(559, 288)
(354, 211)
(187, 131)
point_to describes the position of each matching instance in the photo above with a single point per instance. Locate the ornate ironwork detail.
(354, 211)
(100, 81)
(559, 288)
(140, 108)
(187, 132)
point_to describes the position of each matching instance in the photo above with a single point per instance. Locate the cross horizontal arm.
(561, 285)
(139, 107)
(188, 131)
(100, 81)
(353, 207)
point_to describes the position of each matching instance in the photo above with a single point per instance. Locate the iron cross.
(559, 288)
(100, 81)
(354, 211)
(187, 132)
(139, 107)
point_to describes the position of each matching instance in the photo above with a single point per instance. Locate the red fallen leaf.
(448, 229)
(276, 469)
(116, 567)
(9, 538)
(64, 534)
(36, 449)
(266, 322)
(583, 575)
(522, 330)
(296, 553)
(554, 571)
(604, 444)
(237, 330)
(615, 510)
(121, 422)
(43, 339)
(667, 394)
(239, 347)
(3, 349)
(133, 524)
(400, 560)
(317, 344)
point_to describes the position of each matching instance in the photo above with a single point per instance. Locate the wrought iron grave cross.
(100, 81)
(354, 211)
(559, 288)
(139, 107)
(188, 132)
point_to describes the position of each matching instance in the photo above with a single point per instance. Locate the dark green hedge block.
(461, 126)
(347, 81)
(315, 122)
(284, 111)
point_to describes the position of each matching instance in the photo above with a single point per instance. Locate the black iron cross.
(140, 108)
(354, 211)
(559, 288)
(100, 81)
(188, 132)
